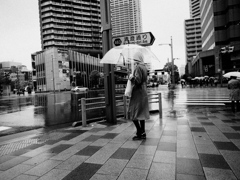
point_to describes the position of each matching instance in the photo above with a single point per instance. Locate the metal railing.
(99, 103)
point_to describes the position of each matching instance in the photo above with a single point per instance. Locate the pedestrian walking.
(138, 106)
(234, 95)
(216, 82)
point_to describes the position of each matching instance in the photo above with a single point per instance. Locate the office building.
(220, 34)
(71, 24)
(126, 17)
(56, 69)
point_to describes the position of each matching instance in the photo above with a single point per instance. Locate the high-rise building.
(126, 17)
(193, 37)
(220, 29)
(194, 8)
(193, 32)
(71, 24)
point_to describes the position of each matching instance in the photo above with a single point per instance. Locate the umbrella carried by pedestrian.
(183, 82)
(124, 54)
(233, 74)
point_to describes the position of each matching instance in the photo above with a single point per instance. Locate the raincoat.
(234, 87)
(138, 106)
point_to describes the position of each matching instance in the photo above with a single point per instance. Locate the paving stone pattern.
(203, 143)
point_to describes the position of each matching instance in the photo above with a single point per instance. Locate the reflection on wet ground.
(47, 109)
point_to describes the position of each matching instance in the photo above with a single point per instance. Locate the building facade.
(126, 17)
(71, 24)
(6, 65)
(193, 38)
(193, 41)
(220, 34)
(56, 69)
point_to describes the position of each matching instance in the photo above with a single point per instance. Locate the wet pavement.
(198, 137)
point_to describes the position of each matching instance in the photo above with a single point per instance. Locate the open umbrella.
(234, 73)
(196, 78)
(124, 54)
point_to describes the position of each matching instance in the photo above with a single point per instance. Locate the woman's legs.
(238, 106)
(143, 133)
(140, 130)
(233, 106)
(138, 134)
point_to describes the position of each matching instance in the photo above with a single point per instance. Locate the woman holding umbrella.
(138, 106)
(234, 95)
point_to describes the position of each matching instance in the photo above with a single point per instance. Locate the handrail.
(124, 102)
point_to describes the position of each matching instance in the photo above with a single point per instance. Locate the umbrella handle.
(123, 58)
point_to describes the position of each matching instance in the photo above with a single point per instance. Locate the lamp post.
(109, 78)
(53, 75)
(172, 72)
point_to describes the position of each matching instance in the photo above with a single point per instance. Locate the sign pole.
(109, 78)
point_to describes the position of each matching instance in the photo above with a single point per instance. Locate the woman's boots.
(141, 134)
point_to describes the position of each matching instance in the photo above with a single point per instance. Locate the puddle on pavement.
(176, 113)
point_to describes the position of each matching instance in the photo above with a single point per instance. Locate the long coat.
(234, 87)
(138, 106)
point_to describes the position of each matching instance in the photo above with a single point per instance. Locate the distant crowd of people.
(201, 82)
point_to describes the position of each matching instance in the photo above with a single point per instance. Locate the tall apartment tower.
(193, 31)
(71, 24)
(126, 17)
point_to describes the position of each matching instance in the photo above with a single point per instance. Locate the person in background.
(215, 82)
(234, 95)
(138, 106)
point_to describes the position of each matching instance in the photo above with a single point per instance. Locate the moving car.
(79, 89)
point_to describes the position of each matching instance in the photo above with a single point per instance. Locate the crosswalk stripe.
(203, 101)
(201, 104)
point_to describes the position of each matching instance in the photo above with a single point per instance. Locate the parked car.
(79, 89)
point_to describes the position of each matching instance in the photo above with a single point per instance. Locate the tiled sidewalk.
(201, 143)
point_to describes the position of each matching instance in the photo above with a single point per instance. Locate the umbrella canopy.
(196, 78)
(234, 73)
(125, 54)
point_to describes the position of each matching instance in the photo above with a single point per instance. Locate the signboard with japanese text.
(143, 39)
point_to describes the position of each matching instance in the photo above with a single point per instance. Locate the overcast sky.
(20, 31)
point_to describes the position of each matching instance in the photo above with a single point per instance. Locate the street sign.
(143, 39)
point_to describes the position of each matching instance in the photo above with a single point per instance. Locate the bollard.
(160, 104)
(83, 107)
